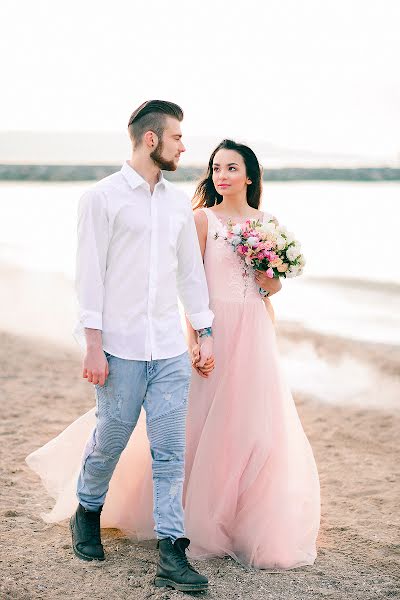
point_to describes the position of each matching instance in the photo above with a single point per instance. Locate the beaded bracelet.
(205, 332)
(263, 293)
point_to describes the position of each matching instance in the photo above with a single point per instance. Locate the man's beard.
(165, 165)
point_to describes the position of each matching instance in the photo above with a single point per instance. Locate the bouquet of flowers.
(266, 247)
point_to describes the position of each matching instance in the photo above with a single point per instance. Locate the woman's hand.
(208, 366)
(271, 285)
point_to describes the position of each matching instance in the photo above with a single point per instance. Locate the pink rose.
(270, 273)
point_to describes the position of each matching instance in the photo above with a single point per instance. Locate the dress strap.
(207, 211)
(210, 216)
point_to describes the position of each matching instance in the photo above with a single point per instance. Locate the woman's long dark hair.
(206, 194)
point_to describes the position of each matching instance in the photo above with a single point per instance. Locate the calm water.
(349, 234)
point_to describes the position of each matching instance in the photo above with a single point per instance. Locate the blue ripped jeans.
(161, 387)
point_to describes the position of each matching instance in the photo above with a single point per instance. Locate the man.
(138, 251)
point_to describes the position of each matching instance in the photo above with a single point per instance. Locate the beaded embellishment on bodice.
(228, 276)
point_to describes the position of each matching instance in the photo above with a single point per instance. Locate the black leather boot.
(174, 569)
(85, 529)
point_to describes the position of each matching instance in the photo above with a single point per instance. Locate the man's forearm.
(191, 333)
(94, 338)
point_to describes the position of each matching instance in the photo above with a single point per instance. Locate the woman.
(252, 489)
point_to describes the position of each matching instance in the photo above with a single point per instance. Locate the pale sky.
(320, 75)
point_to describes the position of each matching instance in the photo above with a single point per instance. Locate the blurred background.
(313, 87)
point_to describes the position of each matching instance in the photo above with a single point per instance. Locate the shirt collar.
(134, 179)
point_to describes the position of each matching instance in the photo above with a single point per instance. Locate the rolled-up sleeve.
(91, 259)
(191, 279)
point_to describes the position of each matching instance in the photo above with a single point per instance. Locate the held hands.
(271, 285)
(206, 349)
(95, 366)
(202, 356)
(208, 367)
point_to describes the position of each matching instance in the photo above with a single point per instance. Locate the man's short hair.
(151, 116)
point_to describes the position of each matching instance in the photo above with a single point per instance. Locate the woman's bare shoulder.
(200, 218)
(200, 215)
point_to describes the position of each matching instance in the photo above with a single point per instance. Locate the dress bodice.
(228, 277)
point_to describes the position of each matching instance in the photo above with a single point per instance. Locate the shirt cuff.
(201, 320)
(89, 319)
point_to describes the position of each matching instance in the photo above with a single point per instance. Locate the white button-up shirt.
(137, 252)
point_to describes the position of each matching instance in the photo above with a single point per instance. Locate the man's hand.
(95, 366)
(195, 353)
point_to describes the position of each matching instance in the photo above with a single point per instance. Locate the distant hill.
(192, 173)
(109, 148)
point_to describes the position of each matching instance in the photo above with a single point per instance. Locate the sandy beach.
(303, 126)
(357, 452)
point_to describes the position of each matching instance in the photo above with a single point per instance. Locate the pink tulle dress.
(252, 487)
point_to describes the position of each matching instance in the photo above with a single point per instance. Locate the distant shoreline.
(19, 172)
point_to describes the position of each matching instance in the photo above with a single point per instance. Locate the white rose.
(293, 252)
(269, 227)
(252, 240)
(281, 230)
(289, 237)
(280, 242)
(292, 271)
(235, 240)
(301, 260)
(237, 229)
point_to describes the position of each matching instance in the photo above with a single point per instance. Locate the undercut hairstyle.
(151, 116)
